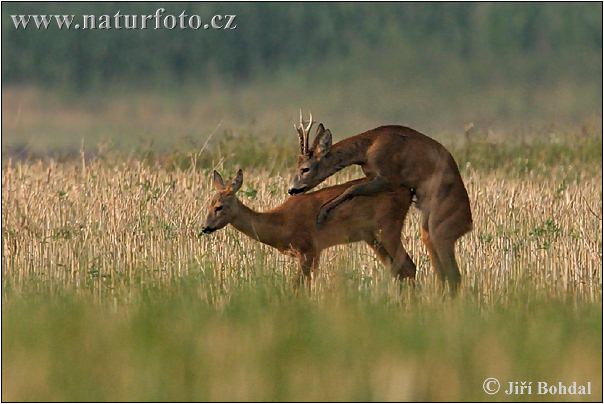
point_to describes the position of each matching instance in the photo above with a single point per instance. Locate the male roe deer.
(392, 157)
(291, 228)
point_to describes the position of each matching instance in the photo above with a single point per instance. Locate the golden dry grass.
(103, 226)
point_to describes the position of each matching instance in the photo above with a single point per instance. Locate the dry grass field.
(110, 293)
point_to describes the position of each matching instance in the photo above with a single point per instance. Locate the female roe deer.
(392, 157)
(291, 227)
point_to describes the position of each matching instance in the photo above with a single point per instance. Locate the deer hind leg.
(445, 250)
(434, 260)
(447, 224)
(381, 252)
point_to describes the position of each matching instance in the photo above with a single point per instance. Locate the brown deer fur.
(392, 157)
(291, 227)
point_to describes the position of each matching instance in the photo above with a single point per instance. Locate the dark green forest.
(503, 41)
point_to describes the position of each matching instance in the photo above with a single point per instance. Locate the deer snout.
(294, 191)
(207, 230)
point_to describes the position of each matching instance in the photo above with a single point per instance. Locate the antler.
(303, 132)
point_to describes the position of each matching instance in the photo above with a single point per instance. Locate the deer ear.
(324, 143)
(237, 181)
(318, 136)
(320, 130)
(217, 181)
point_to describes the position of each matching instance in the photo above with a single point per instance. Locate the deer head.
(223, 205)
(311, 157)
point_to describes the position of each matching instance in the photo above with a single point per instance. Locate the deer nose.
(206, 230)
(294, 191)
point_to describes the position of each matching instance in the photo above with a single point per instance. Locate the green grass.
(187, 341)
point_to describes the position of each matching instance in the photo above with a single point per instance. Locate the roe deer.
(392, 157)
(291, 228)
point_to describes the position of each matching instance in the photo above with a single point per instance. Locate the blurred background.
(506, 68)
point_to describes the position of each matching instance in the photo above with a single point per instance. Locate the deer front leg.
(308, 263)
(376, 185)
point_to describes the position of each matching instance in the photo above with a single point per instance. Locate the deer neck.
(346, 153)
(264, 227)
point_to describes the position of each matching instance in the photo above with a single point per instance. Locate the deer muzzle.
(207, 230)
(294, 191)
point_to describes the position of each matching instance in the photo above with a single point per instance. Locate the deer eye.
(218, 208)
(305, 170)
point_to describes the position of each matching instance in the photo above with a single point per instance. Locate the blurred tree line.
(275, 38)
